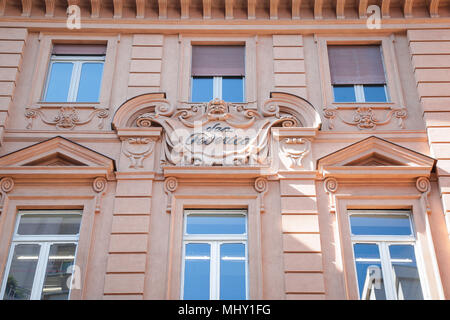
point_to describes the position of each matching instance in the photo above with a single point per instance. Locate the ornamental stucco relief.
(217, 133)
(67, 118)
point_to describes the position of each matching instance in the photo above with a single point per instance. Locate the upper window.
(218, 72)
(385, 251)
(42, 256)
(357, 73)
(75, 73)
(215, 255)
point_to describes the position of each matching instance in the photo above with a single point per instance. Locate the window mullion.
(389, 283)
(359, 93)
(217, 87)
(213, 272)
(40, 271)
(74, 81)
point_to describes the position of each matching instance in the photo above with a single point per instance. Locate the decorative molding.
(434, 8)
(296, 5)
(95, 8)
(318, 9)
(295, 149)
(251, 9)
(118, 9)
(423, 185)
(365, 118)
(67, 118)
(274, 9)
(26, 7)
(340, 9)
(184, 7)
(2, 7)
(99, 186)
(137, 149)
(207, 9)
(217, 133)
(386, 9)
(362, 9)
(261, 186)
(140, 9)
(49, 8)
(229, 4)
(162, 7)
(331, 185)
(407, 8)
(170, 185)
(6, 186)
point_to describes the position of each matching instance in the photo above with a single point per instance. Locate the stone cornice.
(227, 10)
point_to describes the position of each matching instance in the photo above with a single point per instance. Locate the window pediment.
(56, 156)
(375, 158)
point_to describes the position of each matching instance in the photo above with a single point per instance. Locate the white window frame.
(45, 242)
(383, 242)
(217, 87)
(78, 62)
(359, 94)
(214, 240)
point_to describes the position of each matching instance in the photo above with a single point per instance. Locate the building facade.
(203, 149)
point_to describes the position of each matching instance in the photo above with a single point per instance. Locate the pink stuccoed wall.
(299, 246)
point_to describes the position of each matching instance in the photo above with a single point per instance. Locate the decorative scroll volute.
(6, 186)
(331, 185)
(261, 186)
(99, 187)
(423, 185)
(170, 185)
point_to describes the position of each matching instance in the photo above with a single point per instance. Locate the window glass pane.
(374, 93)
(202, 89)
(216, 224)
(197, 271)
(232, 271)
(59, 82)
(380, 224)
(22, 272)
(60, 260)
(43, 224)
(344, 93)
(369, 272)
(90, 81)
(406, 276)
(233, 89)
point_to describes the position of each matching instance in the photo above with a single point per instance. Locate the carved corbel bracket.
(261, 186)
(99, 186)
(170, 185)
(365, 117)
(295, 149)
(6, 186)
(423, 185)
(331, 185)
(137, 149)
(67, 117)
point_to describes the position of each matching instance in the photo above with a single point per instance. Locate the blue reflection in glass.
(232, 271)
(59, 82)
(202, 89)
(233, 89)
(378, 224)
(197, 271)
(216, 224)
(375, 93)
(90, 81)
(369, 272)
(406, 275)
(344, 93)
